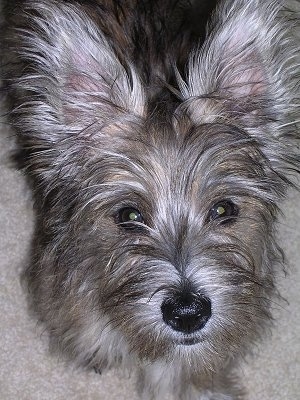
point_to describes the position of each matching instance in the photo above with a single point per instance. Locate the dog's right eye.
(128, 216)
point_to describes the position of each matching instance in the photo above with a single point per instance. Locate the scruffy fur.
(128, 109)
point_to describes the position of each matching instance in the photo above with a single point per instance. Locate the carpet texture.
(28, 372)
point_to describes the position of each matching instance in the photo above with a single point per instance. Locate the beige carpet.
(27, 372)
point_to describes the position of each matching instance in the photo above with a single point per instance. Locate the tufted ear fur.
(74, 79)
(247, 74)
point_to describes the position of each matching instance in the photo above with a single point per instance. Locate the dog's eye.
(128, 216)
(224, 209)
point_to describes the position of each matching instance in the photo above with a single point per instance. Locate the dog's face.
(155, 236)
(173, 240)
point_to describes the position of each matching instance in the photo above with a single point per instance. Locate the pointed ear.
(248, 63)
(247, 74)
(74, 80)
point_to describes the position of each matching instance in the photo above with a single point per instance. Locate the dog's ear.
(229, 65)
(247, 74)
(249, 62)
(72, 78)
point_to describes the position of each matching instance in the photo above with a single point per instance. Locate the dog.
(159, 139)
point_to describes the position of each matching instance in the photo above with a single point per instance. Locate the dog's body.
(157, 163)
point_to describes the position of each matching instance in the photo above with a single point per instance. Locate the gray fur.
(101, 129)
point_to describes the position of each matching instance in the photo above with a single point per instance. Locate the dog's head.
(156, 229)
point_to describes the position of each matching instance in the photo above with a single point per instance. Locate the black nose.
(186, 313)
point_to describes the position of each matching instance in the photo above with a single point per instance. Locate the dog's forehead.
(200, 149)
(168, 162)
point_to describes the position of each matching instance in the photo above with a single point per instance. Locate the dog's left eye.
(223, 209)
(128, 216)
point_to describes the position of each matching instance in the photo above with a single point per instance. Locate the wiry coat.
(121, 105)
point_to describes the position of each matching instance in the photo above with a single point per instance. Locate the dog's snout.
(186, 313)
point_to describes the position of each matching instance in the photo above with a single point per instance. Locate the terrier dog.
(158, 152)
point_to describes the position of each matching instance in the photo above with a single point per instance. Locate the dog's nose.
(186, 313)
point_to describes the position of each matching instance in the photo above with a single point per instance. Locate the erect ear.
(247, 74)
(74, 80)
(247, 65)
